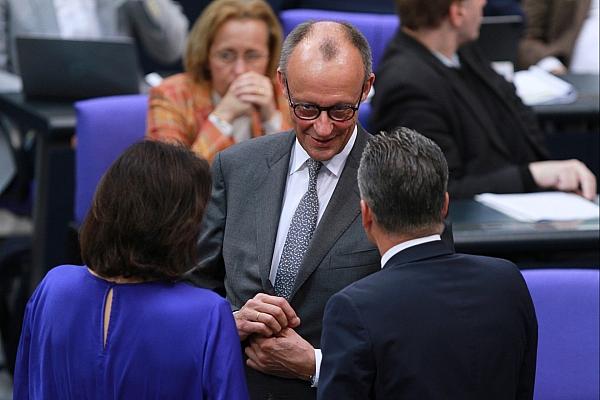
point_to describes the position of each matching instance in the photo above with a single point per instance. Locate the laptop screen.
(58, 68)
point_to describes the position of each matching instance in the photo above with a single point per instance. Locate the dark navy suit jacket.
(432, 324)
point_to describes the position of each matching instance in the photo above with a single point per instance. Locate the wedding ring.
(257, 315)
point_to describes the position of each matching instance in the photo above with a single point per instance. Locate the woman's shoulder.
(63, 280)
(66, 272)
(182, 90)
(178, 83)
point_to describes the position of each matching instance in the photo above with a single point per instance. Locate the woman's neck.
(117, 279)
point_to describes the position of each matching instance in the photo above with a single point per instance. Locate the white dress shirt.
(77, 18)
(586, 54)
(405, 245)
(295, 187)
(297, 184)
(450, 62)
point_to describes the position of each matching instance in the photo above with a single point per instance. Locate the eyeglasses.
(230, 57)
(310, 111)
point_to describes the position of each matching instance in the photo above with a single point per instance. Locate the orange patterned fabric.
(178, 112)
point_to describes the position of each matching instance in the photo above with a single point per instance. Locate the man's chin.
(321, 154)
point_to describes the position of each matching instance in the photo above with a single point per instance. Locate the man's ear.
(367, 87)
(446, 205)
(281, 81)
(366, 216)
(455, 13)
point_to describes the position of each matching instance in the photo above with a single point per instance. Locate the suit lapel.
(269, 201)
(342, 210)
(478, 112)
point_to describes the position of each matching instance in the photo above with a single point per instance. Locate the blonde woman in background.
(228, 92)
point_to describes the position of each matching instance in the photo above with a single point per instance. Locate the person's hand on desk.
(286, 355)
(265, 315)
(566, 176)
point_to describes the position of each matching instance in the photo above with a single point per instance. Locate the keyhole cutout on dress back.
(107, 309)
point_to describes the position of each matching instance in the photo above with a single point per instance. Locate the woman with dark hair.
(123, 326)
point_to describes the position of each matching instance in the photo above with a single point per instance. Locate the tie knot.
(314, 167)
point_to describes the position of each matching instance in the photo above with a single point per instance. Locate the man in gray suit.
(277, 294)
(159, 25)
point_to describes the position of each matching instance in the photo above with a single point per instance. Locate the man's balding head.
(325, 40)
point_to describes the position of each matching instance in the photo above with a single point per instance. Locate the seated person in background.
(159, 25)
(432, 324)
(228, 91)
(561, 35)
(433, 81)
(123, 326)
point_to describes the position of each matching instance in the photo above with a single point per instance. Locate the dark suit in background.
(485, 131)
(431, 325)
(239, 233)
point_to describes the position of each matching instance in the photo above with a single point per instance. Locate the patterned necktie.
(301, 230)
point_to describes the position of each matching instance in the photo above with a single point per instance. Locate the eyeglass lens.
(230, 56)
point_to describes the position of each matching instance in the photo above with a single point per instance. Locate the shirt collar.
(452, 62)
(405, 245)
(335, 165)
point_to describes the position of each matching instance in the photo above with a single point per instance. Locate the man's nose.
(323, 124)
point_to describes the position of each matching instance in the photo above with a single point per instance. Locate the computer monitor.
(68, 69)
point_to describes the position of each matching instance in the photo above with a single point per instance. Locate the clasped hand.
(274, 347)
(247, 92)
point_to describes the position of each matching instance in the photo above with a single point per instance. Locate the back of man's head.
(421, 14)
(403, 178)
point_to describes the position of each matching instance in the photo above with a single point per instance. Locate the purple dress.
(165, 341)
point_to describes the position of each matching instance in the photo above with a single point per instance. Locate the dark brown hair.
(213, 17)
(418, 14)
(146, 213)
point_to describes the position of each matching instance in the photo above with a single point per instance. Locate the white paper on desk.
(537, 87)
(544, 206)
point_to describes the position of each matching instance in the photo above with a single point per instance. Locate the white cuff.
(314, 382)
(549, 64)
(223, 126)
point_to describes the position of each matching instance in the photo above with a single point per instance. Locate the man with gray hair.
(282, 231)
(432, 324)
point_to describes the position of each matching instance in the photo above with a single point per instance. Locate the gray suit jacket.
(238, 238)
(159, 25)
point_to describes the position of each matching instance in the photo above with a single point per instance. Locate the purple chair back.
(105, 127)
(377, 28)
(567, 307)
